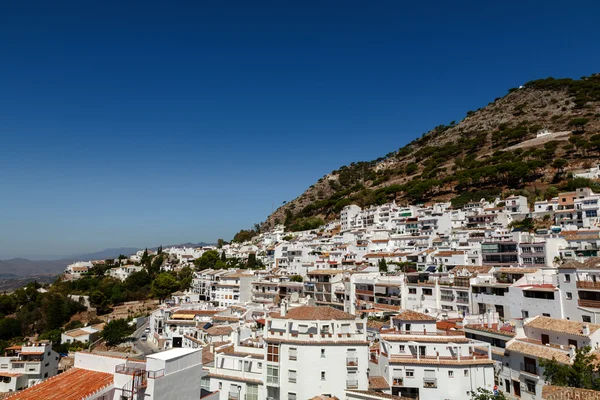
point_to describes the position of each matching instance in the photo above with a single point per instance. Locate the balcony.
(233, 396)
(362, 291)
(398, 382)
(447, 298)
(352, 384)
(429, 382)
(464, 300)
(589, 303)
(588, 285)
(251, 397)
(351, 362)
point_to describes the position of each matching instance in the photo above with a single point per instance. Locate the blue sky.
(141, 123)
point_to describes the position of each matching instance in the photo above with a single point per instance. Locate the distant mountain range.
(16, 268)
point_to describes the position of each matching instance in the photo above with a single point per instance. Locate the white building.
(173, 374)
(420, 362)
(27, 365)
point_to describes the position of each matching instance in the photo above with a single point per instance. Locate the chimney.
(571, 352)
(586, 330)
(283, 307)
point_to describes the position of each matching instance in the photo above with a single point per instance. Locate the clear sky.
(141, 123)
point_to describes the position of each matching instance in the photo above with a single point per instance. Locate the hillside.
(493, 150)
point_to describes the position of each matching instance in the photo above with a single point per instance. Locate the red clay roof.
(75, 384)
(409, 315)
(317, 313)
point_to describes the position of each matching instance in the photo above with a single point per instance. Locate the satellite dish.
(294, 297)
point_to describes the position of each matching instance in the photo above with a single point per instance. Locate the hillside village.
(420, 301)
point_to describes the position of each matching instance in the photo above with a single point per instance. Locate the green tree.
(145, 260)
(223, 256)
(580, 373)
(579, 124)
(163, 286)
(382, 265)
(251, 261)
(296, 278)
(116, 331)
(221, 243)
(484, 394)
(10, 328)
(559, 164)
(207, 260)
(97, 298)
(138, 280)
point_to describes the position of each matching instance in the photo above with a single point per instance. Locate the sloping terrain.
(493, 150)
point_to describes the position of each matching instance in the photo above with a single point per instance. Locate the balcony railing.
(351, 384)
(362, 291)
(462, 300)
(251, 397)
(156, 374)
(430, 382)
(589, 303)
(233, 396)
(588, 285)
(124, 369)
(351, 361)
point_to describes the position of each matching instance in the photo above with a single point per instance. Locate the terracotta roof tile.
(539, 351)
(409, 315)
(561, 325)
(316, 313)
(75, 384)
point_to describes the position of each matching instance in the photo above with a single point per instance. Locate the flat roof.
(171, 354)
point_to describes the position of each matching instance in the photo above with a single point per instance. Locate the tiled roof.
(539, 351)
(316, 313)
(409, 315)
(590, 263)
(378, 383)
(234, 378)
(550, 392)
(493, 329)
(517, 270)
(75, 384)
(219, 330)
(561, 325)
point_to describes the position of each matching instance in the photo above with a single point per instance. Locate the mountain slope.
(492, 150)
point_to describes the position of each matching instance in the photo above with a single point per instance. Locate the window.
(322, 375)
(569, 296)
(205, 383)
(407, 327)
(291, 396)
(412, 290)
(586, 318)
(322, 353)
(402, 348)
(466, 372)
(251, 392)
(292, 376)
(259, 365)
(546, 315)
(410, 373)
(567, 278)
(273, 352)
(450, 374)
(293, 353)
(220, 385)
(525, 314)
(530, 386)
(427, 292)
(272, 374)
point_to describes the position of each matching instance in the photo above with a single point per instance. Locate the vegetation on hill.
(492, 152)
